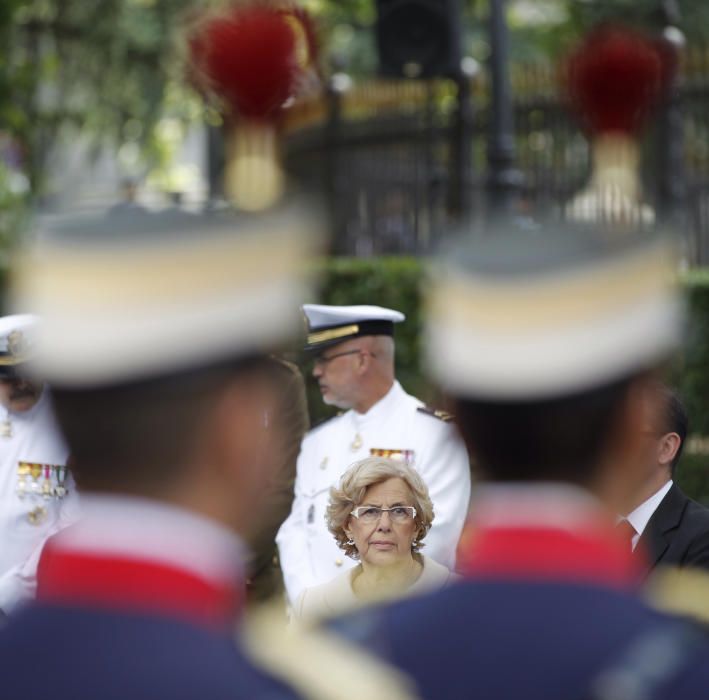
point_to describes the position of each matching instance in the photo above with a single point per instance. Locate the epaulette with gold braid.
(682, 592)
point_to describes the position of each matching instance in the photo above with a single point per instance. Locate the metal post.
(670, 141)
(215, 162)
(502, 179)
(460, 194)
(338, 83)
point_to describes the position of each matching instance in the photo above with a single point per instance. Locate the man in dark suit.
(668, 528)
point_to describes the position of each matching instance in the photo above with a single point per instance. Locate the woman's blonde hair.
(354, 484)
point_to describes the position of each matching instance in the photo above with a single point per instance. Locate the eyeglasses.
(323, 360)
(371, 514)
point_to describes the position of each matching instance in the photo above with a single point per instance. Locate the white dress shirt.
(308, 552)
(32, 511)
(640, 517)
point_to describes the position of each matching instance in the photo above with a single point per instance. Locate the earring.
(350, 541)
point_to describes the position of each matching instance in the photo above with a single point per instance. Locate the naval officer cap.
(18, 342)
(329, 325)
(530, 316)
(137, 296)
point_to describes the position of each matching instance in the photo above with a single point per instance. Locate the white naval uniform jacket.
(28, 516)
(308, 552)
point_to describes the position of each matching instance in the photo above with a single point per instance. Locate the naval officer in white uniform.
(353, 350)
(37, 494)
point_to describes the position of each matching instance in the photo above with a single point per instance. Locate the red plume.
(615, 78)
(248, 57)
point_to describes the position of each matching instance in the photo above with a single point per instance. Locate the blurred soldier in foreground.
(353, 357)
(665, 526)
(290, 419)
(37, 494)
(565, 333)
(152, 331)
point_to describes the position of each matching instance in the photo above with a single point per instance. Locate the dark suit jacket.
(677, 533)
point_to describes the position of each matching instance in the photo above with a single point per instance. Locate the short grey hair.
(354, 484)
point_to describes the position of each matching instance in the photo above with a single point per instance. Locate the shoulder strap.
(317, 664)
(436, 413)
(683, 592)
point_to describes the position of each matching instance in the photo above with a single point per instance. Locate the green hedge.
(692, 379)
(395, 283)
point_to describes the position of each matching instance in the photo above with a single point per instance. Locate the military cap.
(132, 296)
(17, 342)
(328, 325)
(516, 316)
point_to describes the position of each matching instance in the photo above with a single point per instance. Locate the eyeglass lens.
(399, 514)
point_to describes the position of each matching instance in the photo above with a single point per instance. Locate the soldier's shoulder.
(683, 592)
(314, 661)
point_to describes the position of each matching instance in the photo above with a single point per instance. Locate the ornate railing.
(402, 162)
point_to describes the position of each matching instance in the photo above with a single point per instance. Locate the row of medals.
(35, 480)
(45, 480)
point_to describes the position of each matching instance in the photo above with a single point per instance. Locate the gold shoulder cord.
(682, 592)
(316, 664)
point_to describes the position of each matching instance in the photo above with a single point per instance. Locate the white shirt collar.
(140, 528)
(382, 408)
(640, 517)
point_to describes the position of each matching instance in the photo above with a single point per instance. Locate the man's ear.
(241, 448)
(668, 448)
(364, 360)
(240, 430)
(624, 469)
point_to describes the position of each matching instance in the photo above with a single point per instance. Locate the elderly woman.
(379, 515)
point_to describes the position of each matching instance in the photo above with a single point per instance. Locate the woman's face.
(385, 541)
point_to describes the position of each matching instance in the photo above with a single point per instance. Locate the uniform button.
(338, 562)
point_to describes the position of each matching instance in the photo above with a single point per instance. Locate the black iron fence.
(401, 162)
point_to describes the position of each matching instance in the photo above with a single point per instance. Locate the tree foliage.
(109, 69)
(102, 70)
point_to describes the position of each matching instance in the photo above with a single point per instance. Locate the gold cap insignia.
(17, 344)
